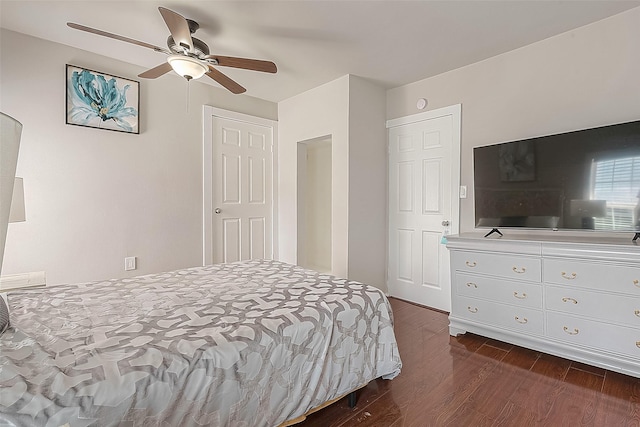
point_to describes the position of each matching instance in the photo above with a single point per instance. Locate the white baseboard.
(13, 282)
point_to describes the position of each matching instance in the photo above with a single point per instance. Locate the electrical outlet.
(129, 263)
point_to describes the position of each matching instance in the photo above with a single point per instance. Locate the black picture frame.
(101, 101)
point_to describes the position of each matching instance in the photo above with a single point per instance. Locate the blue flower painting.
(98, 100)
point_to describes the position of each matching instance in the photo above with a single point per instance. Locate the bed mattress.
(252, 343)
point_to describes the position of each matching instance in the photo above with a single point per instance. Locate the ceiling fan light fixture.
(187, 56)
(187, 67)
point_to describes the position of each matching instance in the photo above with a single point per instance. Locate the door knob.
(445, 223)
(218, 210)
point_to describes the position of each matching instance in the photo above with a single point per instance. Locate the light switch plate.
(463, 191)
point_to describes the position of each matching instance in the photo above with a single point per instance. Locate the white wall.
(320, 112)
(350, 110)
(584, 78)
(95, 196)
(367, 183)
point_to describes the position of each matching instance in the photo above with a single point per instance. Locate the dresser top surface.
(620, 240)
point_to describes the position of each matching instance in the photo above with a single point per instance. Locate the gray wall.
(93, 196)
(581, 79)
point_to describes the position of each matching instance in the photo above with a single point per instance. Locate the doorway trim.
(208, 112)
(302, 252)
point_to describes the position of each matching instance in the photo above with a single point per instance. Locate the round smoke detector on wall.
(421, 104)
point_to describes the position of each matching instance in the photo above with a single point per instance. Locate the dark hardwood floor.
(475, 381)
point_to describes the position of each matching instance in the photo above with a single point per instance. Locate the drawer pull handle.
(566, 299)
(637, 313)
(523, 320)
(574, 332)
(638, 344)
(519, 270)
(517, 295)
(472, 310)
(472, 285)
(567, 276)
(636, 283)
(471, 264)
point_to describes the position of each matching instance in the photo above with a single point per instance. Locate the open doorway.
(314, 204)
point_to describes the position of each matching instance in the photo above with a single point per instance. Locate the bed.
(252, 343)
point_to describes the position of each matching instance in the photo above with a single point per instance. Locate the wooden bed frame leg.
(352, 399)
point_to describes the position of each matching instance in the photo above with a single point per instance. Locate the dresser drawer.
(521, 319)
(613, 308)
(591, 333)
(522, 294)
(506, 266)
(594, 275)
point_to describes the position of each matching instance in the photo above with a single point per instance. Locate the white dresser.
(570, 297)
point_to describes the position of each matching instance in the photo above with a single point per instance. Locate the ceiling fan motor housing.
(200, 48)
(193, 25)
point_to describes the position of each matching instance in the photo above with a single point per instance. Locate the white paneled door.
(241, 191)
(424, 177)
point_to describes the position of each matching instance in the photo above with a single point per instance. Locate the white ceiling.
(313, 42)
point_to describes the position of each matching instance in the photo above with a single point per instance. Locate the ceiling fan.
(188, 56)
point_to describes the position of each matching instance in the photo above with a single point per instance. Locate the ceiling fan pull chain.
(188, 93)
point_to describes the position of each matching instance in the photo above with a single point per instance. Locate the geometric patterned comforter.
(252, 343)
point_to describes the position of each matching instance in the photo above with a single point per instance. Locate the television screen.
(587, 179)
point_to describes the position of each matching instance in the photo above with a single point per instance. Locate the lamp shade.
(10, 130)
(187, 67)
(17, 211)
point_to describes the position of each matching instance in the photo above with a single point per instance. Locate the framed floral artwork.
(102, 101)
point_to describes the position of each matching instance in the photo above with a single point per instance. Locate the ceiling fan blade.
(247, 64)
(116, 37)
(225, 81)
(156, 72)
(178, 26)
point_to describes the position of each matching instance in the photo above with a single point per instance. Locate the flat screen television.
(582, 180)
